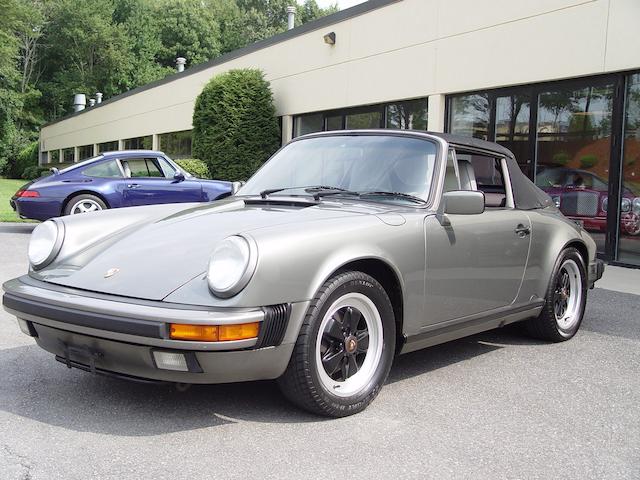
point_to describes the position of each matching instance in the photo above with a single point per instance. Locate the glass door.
(573, 145)
(512, 119)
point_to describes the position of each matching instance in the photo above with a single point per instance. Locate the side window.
(483, 173)
(142, 168)
(168, 170)
(103, 170)
(451, 180)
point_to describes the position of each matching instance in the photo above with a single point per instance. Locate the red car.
(582, 196)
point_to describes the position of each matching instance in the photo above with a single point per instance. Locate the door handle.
(133, 185)
(522, 231)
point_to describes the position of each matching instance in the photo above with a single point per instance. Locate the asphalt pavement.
(495, 405)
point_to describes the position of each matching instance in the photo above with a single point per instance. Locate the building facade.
(555, 81)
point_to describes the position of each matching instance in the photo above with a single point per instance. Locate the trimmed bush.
(235, 128)
(195, 167)
(561, 158)
(34, 171)
(588, 161)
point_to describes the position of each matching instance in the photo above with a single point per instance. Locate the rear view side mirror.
(463, 202)
(235, 186)
(178, 176)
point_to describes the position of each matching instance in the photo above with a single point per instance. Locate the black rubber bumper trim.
(107, 373)
(100, 321)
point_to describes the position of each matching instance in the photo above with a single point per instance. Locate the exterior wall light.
(330, 38)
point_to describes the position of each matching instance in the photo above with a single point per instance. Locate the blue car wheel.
(84, 203)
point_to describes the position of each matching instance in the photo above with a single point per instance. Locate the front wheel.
(345, 347)
(566, 299)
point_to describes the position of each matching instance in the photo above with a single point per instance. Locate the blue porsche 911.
(112, 180)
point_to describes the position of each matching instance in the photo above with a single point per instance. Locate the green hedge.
(235, 128)
(195, 167)
(27, 158)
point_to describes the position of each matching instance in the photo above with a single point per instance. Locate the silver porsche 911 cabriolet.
(342, 251)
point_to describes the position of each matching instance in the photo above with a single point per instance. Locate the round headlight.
(231, 266)
(636, 205)
(625, 205)
(45, 243)
(605, 204)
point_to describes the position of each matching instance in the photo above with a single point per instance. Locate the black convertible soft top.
(526, 195)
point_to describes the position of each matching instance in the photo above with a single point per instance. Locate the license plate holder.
(83, 352)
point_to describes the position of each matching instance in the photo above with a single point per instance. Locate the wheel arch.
(582, 248)
(387, 276)
(82, 192)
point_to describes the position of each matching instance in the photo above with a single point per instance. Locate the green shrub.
(588, 161)
(34, 171)
(195, 167)
(28, 157)
(235, 128)
(561, 158)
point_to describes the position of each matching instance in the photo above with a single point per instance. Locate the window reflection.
(408, 115)
(363, 120)
(309, 123)
(573, 149)
(470, 115)
(176, 144)
(629, 244)
(512, 127)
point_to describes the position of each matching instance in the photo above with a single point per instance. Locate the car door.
(150, 180)
(475, 263)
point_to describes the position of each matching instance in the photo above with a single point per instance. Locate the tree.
(235, 128)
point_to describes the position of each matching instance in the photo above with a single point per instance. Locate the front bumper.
(115, 335)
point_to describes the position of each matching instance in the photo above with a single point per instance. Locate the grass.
(7, 188)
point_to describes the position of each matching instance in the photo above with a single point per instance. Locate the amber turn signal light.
(213, 333)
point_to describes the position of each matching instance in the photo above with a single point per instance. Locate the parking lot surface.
(495, 405)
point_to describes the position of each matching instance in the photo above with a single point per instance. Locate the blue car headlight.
(45, 243)
(231, 266)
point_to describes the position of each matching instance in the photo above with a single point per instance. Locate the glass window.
(176, 144)
(139, 143)
(84, 152)
(629, 243)
(54, 156)
(469, 115)
(68, 155)
(167, 168)
(108, 146)
(309, 124)
(335, 122)
(358, 163)
(364, 120)
(512, 127)
(574, 136)
(142, 167)
(411, 114)
(108, 169)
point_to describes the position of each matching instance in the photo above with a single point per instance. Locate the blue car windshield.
(357, 163)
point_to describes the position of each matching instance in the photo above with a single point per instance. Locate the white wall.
(408, 49)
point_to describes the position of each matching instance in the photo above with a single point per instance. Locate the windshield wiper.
(309, 189)
(405, 196)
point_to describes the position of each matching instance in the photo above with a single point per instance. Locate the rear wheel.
(345, 347)
(84, 203)
(566, 298)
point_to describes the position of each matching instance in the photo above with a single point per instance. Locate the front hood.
(154, 251)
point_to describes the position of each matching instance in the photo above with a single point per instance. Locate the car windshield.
(374, 165)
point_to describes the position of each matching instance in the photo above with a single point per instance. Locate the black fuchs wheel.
(345, 347)
(566, 298)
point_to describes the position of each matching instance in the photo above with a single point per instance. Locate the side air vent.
(273, 326)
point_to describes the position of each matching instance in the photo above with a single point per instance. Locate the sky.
(341, 3)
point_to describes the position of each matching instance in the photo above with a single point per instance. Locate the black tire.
(84, 196)
(301, 382)
(546, 326)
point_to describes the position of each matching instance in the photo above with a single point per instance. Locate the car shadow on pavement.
(35, 386)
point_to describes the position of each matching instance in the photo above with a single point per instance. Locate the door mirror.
(235, 186)
(178, 176)
(463, 202)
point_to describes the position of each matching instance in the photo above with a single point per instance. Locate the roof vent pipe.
(181, 61)
(92, 102)
(291, 17)
(79, 102)
(98, 97)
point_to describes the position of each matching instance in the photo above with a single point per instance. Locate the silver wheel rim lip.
(358, 382)
(571, 315)
(81, 207)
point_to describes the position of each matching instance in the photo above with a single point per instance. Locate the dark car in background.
(113, 180)
(583, 197)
